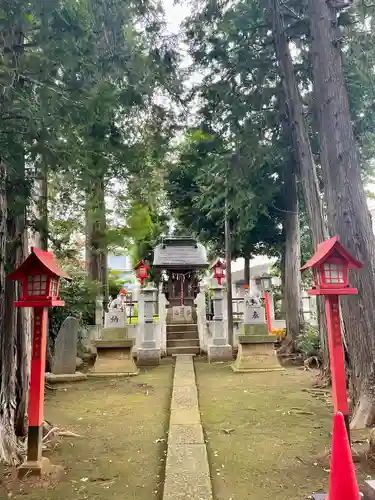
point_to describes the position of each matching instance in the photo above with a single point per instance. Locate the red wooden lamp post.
(141, 270)
(39, 275)
(218, 269)
(331, 263)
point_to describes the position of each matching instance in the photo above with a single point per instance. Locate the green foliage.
(308, 341)
(238, 150)
(115, 284)
(79, 295)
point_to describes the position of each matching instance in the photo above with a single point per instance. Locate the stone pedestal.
(40, 468)
(256, 329)
(256, 353)
(149, 352)
(148, 357)
(217, 353)
(114, 358)
(219, 350)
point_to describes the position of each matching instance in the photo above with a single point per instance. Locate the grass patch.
(119, 455)
(264, 433)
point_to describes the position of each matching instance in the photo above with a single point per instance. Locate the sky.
(175, 14)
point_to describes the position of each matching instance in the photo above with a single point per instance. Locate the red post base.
(42, 467)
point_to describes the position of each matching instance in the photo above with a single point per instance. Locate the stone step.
(113, 344)
(183, 342)
(182, 335)
(182, 350)
(182, 327)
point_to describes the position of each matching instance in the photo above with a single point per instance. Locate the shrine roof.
(174, 253)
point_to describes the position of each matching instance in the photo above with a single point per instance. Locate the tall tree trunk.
(228, 258)
(96, 243)
(247, 271)
(40, 212)
(15, 325)
(292, 288)
(348, 214)
(306, 168)
(43, 205)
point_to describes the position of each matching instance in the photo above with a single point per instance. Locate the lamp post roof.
(219, 263)
(38, 258)
(328, 248)
(141, 263)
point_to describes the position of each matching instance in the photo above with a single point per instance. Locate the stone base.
(53, 378)
(111, 334)
(255, 328)
(148, 357)
(319, 496)
(256, 353)
(219, 353)
(114, 357)
(36, 469)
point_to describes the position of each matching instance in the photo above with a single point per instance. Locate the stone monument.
(65, 352)
(254, 318)
(256, 351)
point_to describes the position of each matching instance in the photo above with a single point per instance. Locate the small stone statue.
(118, 303)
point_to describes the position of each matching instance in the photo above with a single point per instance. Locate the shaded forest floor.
(121, 453)
(267, 434)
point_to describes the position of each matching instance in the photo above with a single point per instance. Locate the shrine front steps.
(182, 338)
(182, 328)
(172, 351)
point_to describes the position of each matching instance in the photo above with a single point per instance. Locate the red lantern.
(218, 269)
(141, 271)
(331, 263)
(39, 275)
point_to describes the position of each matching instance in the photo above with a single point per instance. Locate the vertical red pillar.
(268, 311)
(337, 358)
(36, 394)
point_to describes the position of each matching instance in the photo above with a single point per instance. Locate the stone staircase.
(182, 338)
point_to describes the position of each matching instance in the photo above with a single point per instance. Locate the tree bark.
(96, 244)
(228, 258)
(348, 214)
(15, 325)
(247, 271)
(292, 288)
(306, 168)
(43, 205)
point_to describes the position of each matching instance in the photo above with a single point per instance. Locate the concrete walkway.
(187, 475)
